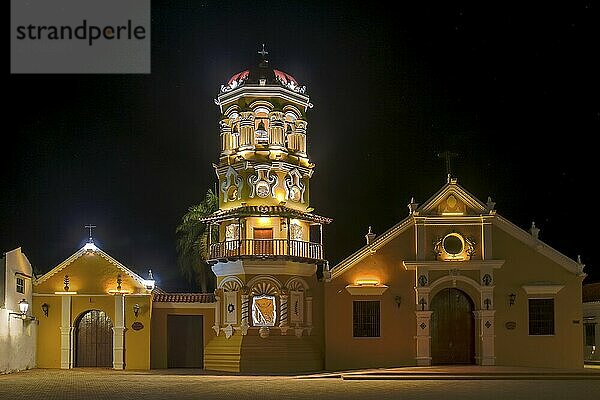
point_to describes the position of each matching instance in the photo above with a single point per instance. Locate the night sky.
(514, 91)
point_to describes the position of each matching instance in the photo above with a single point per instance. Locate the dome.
(263, 75)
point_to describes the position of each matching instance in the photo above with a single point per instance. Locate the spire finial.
(534, 230)
(263, 52)
(448, 156)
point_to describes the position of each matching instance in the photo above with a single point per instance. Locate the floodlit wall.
(17, 336)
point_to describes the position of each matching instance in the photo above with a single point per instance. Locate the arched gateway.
(94, 340)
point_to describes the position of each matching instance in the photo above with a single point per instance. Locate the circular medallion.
(451, 201)
(295, 193)
(232, 192)
(453, 244)
(262, 189)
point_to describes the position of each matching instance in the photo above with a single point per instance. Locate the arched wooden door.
(452, 328)
(94, 340)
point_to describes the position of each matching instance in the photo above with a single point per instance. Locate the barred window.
(541, 316)
(590, 334)
(20, 285)
(365, 319)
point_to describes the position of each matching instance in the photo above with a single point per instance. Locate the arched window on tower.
(261, 134)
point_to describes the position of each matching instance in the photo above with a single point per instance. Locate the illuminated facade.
(265, 243)
(452, 283)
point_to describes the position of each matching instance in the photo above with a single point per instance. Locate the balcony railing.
(265, 248)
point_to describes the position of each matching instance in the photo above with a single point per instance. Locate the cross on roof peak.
(448, 156)
(90, 227)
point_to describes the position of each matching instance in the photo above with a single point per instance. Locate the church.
(452, 283)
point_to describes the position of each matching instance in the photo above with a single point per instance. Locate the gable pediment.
(90, 272)
(453, 200)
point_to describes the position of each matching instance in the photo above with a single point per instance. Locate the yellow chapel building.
(452, 283)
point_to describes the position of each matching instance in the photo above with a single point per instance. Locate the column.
(217, 326)
(244, 325)
(66, 331)
(283, 316)
(276, 125)
(485, 321)
(309, 310)
(423, 338)
(119, 333)
(247, 131)
(226, 138)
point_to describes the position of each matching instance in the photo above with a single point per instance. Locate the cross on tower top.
(263, 52)
(90, 227)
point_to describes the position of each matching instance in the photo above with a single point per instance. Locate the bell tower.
(266, 244)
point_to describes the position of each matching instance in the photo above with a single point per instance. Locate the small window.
(20, 285)
(590, 334)
(366, 319)
(541, 316)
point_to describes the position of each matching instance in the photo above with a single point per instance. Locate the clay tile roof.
(591, 292)
(184, 297)
(281, 211)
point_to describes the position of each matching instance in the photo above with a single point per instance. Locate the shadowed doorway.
(452, 328)
(185, 341)
(94, 340)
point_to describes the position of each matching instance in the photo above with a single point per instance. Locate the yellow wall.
(159, 344)
(89, 274)
(523, 265)
(515, 347)
(137, 343)
(48, 341)
(396, 345)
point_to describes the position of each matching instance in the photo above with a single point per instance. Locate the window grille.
(541, 316)
(366, 319)
(590, 334)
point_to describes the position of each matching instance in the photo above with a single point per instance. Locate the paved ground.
(400, 383)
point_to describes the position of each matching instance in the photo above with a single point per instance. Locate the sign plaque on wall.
(137, 325)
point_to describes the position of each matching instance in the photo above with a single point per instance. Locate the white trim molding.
(366, 290)
(544, 289)
(450, 265)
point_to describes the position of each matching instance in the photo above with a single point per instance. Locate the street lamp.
(23, 307)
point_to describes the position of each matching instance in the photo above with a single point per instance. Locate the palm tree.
(192, 243)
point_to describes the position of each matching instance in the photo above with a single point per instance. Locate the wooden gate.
(452, 328)
(185, 341)
(94, 343)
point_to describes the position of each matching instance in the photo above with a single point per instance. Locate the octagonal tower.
(266, 244)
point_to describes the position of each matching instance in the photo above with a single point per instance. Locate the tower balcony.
(266, 249)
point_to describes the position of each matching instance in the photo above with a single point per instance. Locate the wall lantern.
(23, 307)
(398, 300)
(45, 308)
(136, 309)
(511, 299)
